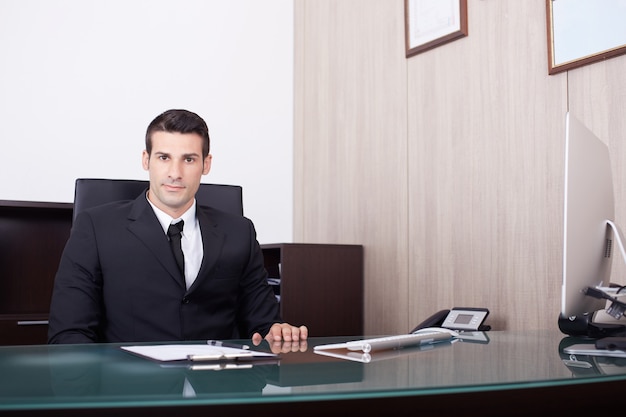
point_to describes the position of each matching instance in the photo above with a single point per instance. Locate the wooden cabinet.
(321, 286)
(32, 238)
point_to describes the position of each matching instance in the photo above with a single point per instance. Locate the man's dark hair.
(179, 121)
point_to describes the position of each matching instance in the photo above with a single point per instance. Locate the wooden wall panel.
(447, 166)
(350, 161)
(485, 185)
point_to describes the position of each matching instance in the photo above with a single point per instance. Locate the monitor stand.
(617, 233)
(588, 326)
(615, 312)
(601, 323)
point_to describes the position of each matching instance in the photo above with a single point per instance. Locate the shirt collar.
(189, 217)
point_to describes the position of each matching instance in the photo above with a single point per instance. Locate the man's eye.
(163, 157)
(189, 160)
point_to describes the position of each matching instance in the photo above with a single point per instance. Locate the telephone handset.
(436, 320)
(458, 318)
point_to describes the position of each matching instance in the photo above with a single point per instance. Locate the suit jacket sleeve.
(76, 305)
(258, 308)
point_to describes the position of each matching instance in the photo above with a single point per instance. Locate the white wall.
(80, 81)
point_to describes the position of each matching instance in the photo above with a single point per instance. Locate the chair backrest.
(90, 192)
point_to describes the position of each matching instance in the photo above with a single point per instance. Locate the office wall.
(350, 148)
(447, 166)
(81, 80)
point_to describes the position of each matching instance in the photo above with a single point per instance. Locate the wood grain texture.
(447, 166)
(350, 161)
(486, 186)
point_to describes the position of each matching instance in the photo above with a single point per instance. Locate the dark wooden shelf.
(33, 235)
(321, 285)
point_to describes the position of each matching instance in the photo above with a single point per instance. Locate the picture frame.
(582, 32)
(431, 23)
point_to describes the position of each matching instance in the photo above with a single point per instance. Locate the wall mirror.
(581, 32)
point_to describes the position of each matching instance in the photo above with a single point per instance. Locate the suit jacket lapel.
(144, 224)
(212, 239)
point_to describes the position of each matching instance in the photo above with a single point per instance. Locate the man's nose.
(175, 169)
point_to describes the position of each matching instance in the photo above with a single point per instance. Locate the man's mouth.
(173, 187)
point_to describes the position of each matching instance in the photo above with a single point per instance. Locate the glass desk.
(495, 373)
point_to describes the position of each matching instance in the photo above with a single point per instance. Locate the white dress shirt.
(191, 241)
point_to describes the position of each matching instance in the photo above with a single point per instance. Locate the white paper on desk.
(166, 353)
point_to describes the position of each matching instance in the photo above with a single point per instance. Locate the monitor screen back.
(589, 203)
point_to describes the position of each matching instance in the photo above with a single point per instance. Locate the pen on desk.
(226, 344)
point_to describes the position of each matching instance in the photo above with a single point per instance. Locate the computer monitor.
(588, 208)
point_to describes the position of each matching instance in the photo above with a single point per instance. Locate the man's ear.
(145, 160)
(207, 164)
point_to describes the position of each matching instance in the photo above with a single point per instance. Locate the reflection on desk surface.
(360, 356)
(589, 365)
(93, 372)
(81, 375)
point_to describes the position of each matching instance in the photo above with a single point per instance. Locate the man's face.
(175, 168)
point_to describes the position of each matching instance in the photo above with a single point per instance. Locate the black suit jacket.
(118, 281)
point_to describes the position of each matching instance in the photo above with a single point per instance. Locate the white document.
(181, 352)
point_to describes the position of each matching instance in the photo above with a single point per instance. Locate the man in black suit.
(118, 279)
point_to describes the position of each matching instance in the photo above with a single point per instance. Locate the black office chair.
(90, 192)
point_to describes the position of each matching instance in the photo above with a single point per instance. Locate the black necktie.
(174, 233)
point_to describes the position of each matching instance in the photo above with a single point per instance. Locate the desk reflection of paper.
(167, 353)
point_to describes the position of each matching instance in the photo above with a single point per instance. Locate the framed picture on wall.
(430, 23)
(582, 32)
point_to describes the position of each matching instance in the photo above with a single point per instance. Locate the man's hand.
(280, 332)
(287, 347)
(284, 338)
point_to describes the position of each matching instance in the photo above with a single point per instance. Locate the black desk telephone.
(459, 318)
